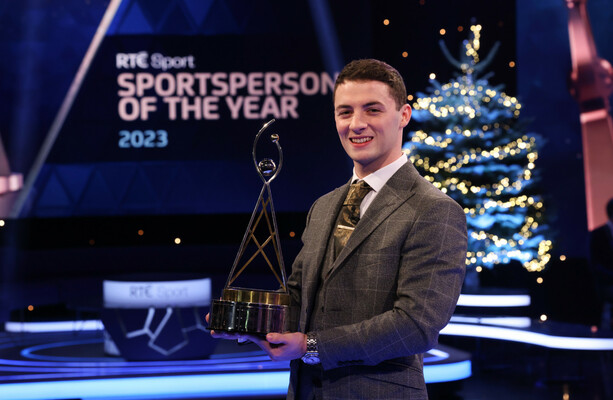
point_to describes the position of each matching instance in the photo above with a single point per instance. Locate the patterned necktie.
(349, 215)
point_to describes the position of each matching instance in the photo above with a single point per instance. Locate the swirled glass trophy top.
(267, 167)
(251, 310)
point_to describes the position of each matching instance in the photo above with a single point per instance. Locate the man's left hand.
(283, 346)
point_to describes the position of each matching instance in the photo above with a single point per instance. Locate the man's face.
(369, 125)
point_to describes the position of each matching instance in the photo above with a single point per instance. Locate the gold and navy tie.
(349, 215)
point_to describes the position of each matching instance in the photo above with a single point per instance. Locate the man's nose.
(358, 123)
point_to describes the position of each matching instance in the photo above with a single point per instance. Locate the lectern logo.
(141, 291)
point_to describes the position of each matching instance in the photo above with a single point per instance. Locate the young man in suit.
(381, 268)
(601, 260)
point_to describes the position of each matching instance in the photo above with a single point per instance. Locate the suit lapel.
(395, 192)
(324, 228)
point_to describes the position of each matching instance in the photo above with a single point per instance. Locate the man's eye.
(374, 110)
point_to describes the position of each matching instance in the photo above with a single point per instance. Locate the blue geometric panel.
(175, 22)
(117, 176)
(184, 191)
(132, 21)
(154, 11)
(142, 188)
(220, 20)
(199, 17)
(54, 194)
(97, 195)
(139, 194)
(160, 177)
(74, 177)
(199, 9)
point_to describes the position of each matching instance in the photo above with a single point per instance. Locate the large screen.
(162, 112)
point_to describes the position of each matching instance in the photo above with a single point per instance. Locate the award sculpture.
(256, 311)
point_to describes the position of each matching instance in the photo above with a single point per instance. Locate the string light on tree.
(472, 145)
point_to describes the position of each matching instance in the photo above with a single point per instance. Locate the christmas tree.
(472, 145)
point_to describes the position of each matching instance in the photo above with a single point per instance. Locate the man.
(374, 290)
(601, 260)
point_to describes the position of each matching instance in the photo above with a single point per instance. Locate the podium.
(157, 320)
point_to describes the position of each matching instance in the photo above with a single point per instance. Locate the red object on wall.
(591, 85)
(10, 184)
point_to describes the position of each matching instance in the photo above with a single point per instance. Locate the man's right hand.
(278, 346)
(226, 335)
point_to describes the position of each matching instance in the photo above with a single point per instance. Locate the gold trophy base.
(249, 311)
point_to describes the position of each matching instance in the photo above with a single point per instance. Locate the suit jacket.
(390, 291)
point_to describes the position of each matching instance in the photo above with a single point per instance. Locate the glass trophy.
(257, 311)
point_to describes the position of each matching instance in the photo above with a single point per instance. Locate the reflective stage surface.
(73, 364)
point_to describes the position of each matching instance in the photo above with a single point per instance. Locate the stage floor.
(62, 365)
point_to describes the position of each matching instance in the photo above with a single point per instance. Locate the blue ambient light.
(159, 387)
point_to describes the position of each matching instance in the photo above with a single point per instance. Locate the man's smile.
(360, 140)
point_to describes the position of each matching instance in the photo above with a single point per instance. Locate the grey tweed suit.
(388, 294)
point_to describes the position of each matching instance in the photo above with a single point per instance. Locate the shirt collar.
(379, 178)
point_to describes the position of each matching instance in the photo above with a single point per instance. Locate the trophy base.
(253, 312)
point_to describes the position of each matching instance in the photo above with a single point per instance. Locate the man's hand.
(284, 346)
(226, 335)
(278, 346)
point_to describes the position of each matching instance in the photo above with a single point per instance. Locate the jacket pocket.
(393, 372)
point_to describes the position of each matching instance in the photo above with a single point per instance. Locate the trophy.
(256, 311)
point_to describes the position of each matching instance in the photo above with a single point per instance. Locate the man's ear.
(405, 111)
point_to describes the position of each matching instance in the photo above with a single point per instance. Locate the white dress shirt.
(378, 179)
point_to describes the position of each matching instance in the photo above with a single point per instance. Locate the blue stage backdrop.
(164, 117)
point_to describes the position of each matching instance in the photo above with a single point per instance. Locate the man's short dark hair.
(610, 209)
(375, 70)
